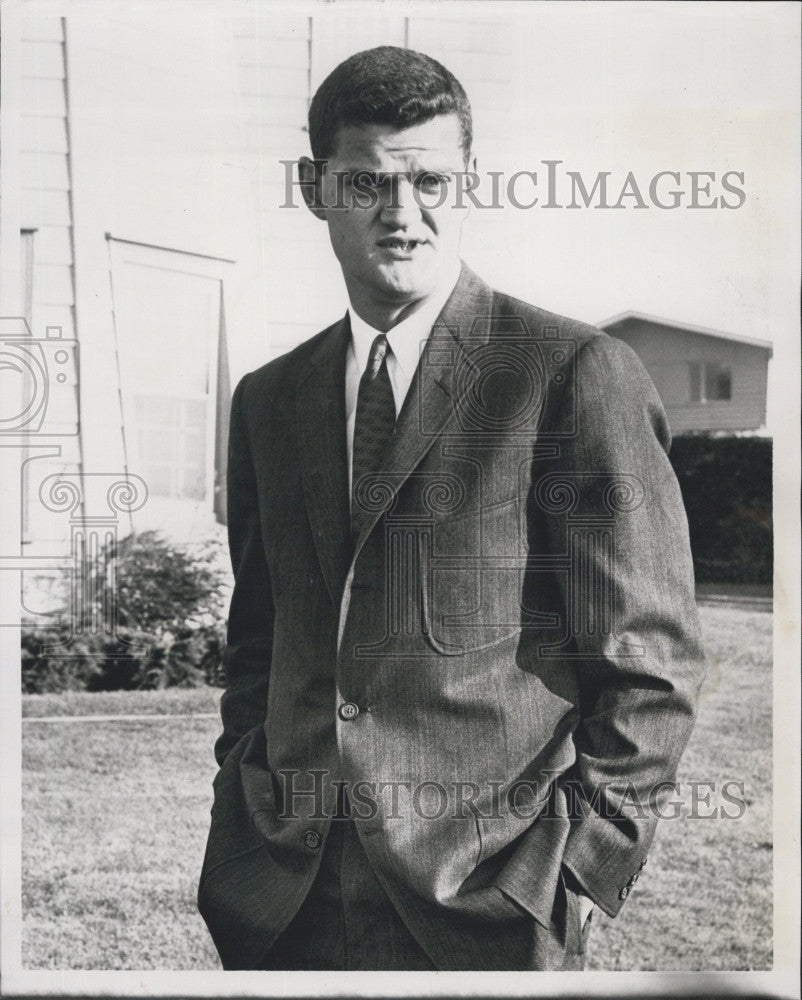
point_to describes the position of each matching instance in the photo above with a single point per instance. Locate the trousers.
(347, 921)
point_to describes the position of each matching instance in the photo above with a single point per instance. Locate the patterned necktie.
(375, 419)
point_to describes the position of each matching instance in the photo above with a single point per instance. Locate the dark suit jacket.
(519, 634)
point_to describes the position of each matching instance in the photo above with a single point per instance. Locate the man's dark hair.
(387, 86)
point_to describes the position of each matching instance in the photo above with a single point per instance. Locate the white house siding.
(667, 352)
(46, 214)
(272, 59)
(170, 131)
(157, 138)
(132, 129)
(45, 172)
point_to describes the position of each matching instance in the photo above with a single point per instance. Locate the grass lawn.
(115, 816)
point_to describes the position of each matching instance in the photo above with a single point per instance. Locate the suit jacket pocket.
(472, 570)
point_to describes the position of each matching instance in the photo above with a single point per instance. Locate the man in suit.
(463, 652)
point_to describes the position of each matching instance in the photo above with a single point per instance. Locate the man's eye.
(430, 182)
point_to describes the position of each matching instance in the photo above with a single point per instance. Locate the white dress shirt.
(407, 340)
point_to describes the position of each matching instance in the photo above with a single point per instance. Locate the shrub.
(51, 674)
(161, 588)
(726, 487)
(169, 605)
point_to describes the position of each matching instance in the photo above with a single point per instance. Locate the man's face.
(390, 206)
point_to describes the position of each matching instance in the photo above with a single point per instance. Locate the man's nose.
(399, 204)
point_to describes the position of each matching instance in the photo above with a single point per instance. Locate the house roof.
(703, 330)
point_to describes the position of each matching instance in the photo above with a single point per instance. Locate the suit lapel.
(430, 402)
(321, 426)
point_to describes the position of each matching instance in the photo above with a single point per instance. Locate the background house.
(707, 380)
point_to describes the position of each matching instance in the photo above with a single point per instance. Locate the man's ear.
(310, 176)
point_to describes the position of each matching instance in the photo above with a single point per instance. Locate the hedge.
(726, 487)
(191, 658)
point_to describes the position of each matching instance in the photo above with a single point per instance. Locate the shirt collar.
(407, 338)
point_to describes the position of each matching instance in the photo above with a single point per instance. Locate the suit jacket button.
(633, 879)
(624, 892)
(312, 840)
(348, 711)
(643, 863)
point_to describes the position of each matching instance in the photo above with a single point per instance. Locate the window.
(709, 382)
(168, 318)
(172, 444)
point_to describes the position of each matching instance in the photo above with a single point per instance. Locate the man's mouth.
(399, 245)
